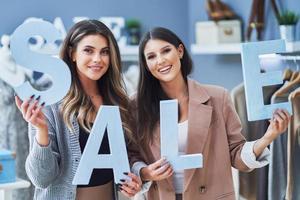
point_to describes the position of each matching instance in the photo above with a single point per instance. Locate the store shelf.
(293, 46)
(233, 48)
(129, 53)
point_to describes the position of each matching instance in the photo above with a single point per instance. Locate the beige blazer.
(214, 130)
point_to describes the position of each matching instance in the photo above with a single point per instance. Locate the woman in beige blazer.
(207, 121)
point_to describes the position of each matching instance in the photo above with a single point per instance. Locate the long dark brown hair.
(150, 91)
(77, 104)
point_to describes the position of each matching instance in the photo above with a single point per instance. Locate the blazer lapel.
(199, 117)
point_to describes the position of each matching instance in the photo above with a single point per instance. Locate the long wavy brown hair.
(150, 91)
(77, 104)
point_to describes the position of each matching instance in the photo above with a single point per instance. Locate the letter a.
(107, 117)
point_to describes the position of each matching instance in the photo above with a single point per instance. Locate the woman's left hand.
(278, 124)
(130, 187)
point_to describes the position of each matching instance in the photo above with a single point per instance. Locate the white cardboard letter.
(169, 138)
(55, 67)
(108, 117)
(254, 80)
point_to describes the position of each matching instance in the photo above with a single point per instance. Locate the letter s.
(54, 67)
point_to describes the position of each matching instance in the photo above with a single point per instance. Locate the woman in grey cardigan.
(58, 133)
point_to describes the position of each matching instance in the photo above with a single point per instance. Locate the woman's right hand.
(159, 170)
(32, 113)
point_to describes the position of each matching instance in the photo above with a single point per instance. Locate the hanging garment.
(293, 149)
(252, 185)
(14, 136)
(278, 164)
(277, 168)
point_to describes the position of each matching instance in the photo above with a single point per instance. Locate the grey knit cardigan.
(52, 168)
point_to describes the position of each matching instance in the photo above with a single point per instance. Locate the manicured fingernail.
(38, 98)
(122, 180)
(43, 104)
(32, 96)
(119, 185)
(126, 173)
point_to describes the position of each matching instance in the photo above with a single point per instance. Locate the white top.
(178, 175)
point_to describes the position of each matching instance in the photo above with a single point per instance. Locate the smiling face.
(92, 57)
(163, 60)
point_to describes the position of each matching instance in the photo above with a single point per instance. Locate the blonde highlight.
(77, 104)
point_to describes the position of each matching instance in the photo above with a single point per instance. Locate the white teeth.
(95, 67)
(165, 69)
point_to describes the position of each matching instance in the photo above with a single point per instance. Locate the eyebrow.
(167, 46)
(88, 46)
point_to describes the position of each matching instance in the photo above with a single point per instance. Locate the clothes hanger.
(295, 73)
(294, 98)
(295, 93)
(297, 76)
(294, 82)
(287, 74)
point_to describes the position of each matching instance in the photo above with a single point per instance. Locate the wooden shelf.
(233, 48)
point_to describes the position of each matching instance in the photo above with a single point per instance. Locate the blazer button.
(202, 189)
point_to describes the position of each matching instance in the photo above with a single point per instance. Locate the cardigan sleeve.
(42, 163)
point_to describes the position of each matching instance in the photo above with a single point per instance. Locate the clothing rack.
(290, 56)
(283, 56)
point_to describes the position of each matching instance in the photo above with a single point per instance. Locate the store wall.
(226, 70)
(168, 13)
(178, 15)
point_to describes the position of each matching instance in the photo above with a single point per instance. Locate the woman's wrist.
(143, 174)
(261, 144)
(42, 136)
(269, 137)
